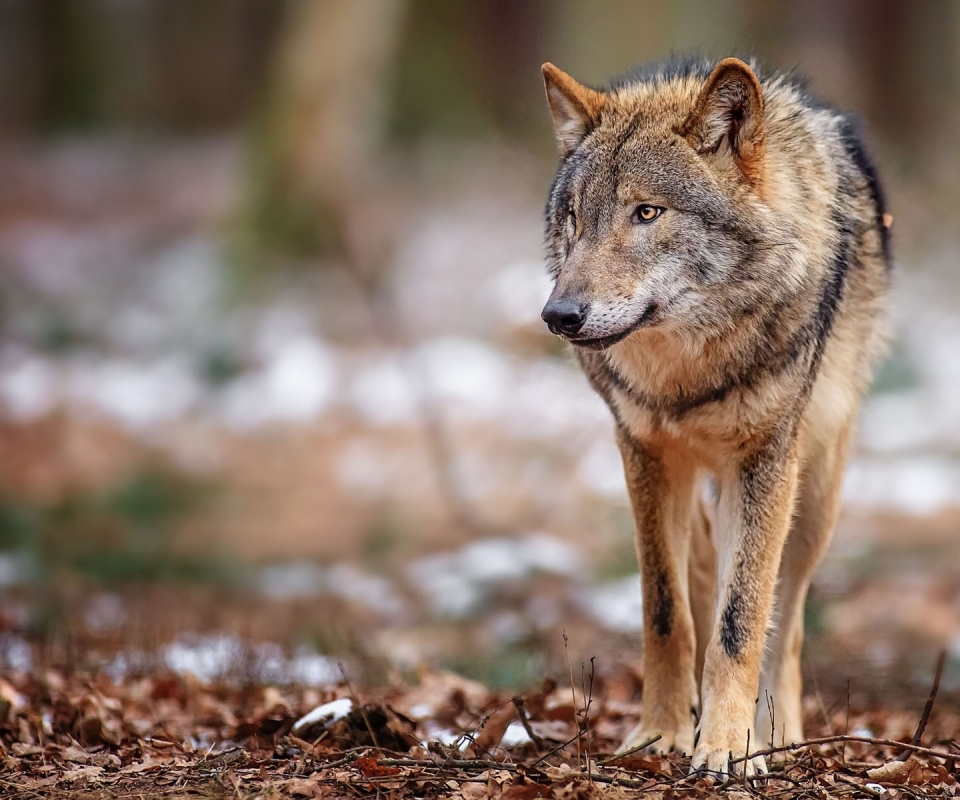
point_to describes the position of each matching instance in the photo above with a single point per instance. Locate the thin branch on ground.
(928, 707)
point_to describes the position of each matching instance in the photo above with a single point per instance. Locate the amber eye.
(645, 213)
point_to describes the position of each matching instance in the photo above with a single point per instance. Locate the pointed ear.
(575, 108)
(729, 109)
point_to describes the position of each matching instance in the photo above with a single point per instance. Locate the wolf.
(719, 247)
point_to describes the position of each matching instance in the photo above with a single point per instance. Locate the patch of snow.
(204, 657)
(493, 561)
(518, 291)
(28, 387)
(445, 736)
(547, 554)
(515, 735)
(361, 588)
(383, 395)
(16, 569)
(550, 400)
(313, 669)
(328, 712)
(905, 421)
(456, 583)
(217, 656)
(470, 377)
(917, 485)
(421, 711)
(438, 578)
(297, 384)
(290, 581)
(601, 470)
(135, 393)
(300, 580)
(616, 605)
(15, 653)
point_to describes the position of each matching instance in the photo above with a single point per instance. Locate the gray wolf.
(720, 253)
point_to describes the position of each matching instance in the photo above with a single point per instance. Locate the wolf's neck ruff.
(748, 216)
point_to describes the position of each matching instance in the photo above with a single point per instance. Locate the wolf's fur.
(732, 337)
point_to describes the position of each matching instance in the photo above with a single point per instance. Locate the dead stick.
(558, 748)
(925, 717)
(522, 713)
(630, 752)
(573, 695)
(360, 708)
(843, 738)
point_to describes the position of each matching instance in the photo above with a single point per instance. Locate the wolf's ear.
(575, 108)
(729, 109)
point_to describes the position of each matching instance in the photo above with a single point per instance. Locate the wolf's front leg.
(756, 504)
(661, 494)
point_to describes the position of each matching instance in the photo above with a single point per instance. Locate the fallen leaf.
(891, 772)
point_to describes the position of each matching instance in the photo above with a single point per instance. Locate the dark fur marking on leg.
(733, 635)
(663, 612)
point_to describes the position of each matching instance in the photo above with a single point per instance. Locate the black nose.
(564, 316)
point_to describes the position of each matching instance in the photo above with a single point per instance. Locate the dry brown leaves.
(73, 735)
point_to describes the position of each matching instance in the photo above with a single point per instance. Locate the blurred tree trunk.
(322, 126)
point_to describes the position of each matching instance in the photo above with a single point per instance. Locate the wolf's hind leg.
(779, 711)
(702, 576)
(661, 493)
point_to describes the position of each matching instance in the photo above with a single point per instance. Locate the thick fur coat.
(720, 250)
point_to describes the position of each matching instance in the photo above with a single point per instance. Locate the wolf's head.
(657, 203)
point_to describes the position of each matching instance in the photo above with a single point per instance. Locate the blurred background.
(275, 398)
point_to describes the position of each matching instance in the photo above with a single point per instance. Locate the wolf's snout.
(564, 316)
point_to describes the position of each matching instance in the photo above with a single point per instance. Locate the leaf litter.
(68, 734)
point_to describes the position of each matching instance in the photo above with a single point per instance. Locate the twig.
(363, 711)
(846, 729)
(340, 761)
(588, 701)
(456, 763)
(558, 748)
(772, 710)
(925, 717)
(851, 782)
(573, 695)
(522, 713)
(630, 752)
(746, 752)
(477, 763)
(787, 748)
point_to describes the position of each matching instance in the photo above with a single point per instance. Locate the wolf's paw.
(724, 763)
(669, 742)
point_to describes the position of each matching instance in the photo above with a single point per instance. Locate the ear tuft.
(575, 108)
(729, 109)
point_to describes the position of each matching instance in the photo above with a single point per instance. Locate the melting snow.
(917, 485)
(456, 583)
(328, 712)
(217, 656)
(515, 735)
(617, 605)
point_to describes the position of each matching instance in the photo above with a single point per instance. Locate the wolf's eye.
(645, 213)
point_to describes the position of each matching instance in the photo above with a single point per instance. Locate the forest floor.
(347, 503)
(73, 735)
